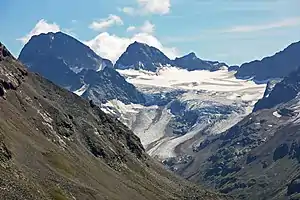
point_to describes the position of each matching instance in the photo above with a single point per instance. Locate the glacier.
(184, 107)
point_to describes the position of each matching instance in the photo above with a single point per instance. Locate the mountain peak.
(191, 62)
(142, 56)
(192, 54)
(138, 43)
(135, 46)
(76, 55)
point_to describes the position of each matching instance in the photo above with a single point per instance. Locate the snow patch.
(81, 90)
(75, 69)
(48, 122)
(276, 114)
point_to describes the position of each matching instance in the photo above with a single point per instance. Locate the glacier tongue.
(184, 107)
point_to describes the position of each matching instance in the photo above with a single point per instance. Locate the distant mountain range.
(142, 56)
(74, 66)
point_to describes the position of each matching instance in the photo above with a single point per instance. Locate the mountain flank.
(56, 145)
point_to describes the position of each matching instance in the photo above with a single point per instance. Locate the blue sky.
(234, 31)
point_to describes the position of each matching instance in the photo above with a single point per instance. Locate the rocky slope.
(74, 66)
(276, 66)
(282, 92)
(258, 158)
(55, 145)
(108, 85)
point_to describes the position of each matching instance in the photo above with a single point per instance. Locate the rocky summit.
(56, 145)
(142, 56)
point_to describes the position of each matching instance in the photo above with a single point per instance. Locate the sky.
(232, 31)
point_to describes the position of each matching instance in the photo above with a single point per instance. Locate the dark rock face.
(191, 62)
(233, 68)
(270, 86)
(5, 154)
(73, 53)
(13, 78)
(59, 58)
(282, 92)
(109, 84)
(294, 152)
(72, 65)
(4, 52)
(280, 152)
(54, 69)
(294, 187)
(142, 56)
(277, 66)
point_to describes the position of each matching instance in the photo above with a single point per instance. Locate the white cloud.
(147, 27)
(131, 28)
(106, 23)
(261, 27)
(160, 7)
(70, 32)
(128, 10)
(41, 27)
(155, 6)
(112, 46)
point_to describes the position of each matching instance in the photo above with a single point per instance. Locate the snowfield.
(208, 103)
(172, 77)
